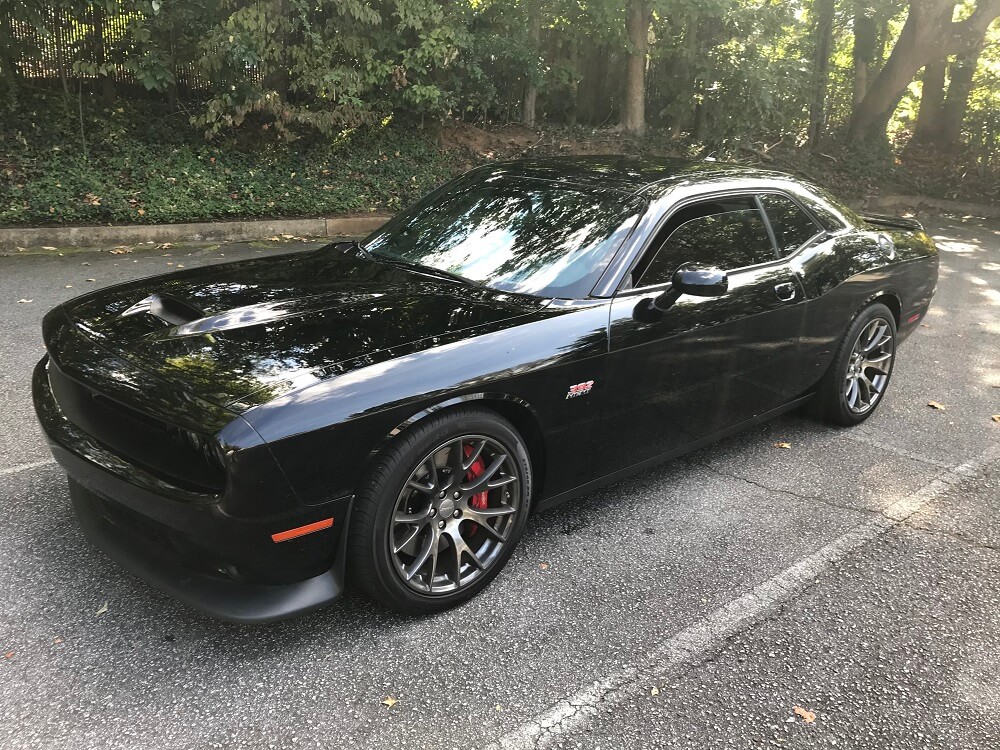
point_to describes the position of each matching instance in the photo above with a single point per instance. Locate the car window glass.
(528, 236)
(727, 232)
(830, 221)
(792, 227)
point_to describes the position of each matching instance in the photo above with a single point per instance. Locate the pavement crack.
(958, 536)
(809, 498)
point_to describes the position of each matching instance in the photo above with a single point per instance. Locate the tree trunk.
(107, 82)
(929, 117)
(823, 41)
(683, 117)
(277, 78)
(9, 73)
(962, 71)
(928, 34)
(634, 110)
(531, 87)
(865, 46)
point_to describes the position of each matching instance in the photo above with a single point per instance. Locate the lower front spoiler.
(235, 601)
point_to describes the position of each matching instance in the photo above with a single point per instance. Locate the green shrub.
(146, 165)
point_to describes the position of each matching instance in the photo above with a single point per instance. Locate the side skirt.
(615, 476)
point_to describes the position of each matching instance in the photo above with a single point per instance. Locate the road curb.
(213, 231)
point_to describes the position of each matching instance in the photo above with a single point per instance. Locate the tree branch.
(964, 36)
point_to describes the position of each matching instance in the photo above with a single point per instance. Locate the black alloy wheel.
(859, 375)
(441, 512)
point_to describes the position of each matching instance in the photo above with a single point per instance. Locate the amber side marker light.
(309, 528)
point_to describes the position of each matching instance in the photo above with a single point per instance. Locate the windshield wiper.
(421, 268)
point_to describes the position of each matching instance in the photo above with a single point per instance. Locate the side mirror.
(690, 278)
(700, 281)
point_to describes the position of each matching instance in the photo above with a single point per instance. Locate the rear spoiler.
(893, 222)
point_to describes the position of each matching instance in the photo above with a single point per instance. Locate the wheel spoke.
(500, 510)
(483, 480)
(876, 338)
(879, 362)
(421, 558)
(408, 518)
(852, 393)
(456, 460)
(477, 450)
(483, 521)
(865, 392)
(434, 564)
(409, 538)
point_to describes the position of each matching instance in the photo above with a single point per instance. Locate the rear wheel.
(856, 382)
(440, 512)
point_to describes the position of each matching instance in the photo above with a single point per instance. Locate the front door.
(703, 364)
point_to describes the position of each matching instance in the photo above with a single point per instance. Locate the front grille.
(160, 448)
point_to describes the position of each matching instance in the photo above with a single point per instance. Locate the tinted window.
(792, 227)
(728, 233)
(824, 208)
(513, 234)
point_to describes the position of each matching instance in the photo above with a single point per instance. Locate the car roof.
(651, 176)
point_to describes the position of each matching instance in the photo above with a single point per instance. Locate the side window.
(726, 232)
(792, 227)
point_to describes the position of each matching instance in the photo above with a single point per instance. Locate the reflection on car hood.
(242, 333)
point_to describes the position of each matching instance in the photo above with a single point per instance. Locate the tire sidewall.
(392, 590)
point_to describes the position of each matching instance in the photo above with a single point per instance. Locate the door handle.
(785, 291)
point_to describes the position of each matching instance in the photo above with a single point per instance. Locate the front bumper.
(226, 599)
(191, 546)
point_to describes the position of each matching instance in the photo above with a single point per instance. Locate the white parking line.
(710, 633)
(24, 467)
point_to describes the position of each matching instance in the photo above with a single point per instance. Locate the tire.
(416, 547)
(837, 400)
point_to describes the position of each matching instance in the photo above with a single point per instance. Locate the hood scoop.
(168, 309)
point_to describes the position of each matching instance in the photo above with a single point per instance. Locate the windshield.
(512, 233)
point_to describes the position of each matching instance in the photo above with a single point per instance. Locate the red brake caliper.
(480, 500)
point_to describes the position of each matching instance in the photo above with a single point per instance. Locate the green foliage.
(143, 167)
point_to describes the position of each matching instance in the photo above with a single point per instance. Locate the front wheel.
(440, 512)
(856, 382)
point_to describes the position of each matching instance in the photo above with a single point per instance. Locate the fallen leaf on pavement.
(23, 301)
(996, 417)
(57, 640)
(48, 247)
(936, 405)
(101, 610)
(390, 702)
(543, 566)
(807, 716)
(498, 707)
(9, 655)
(783, 445)
(69, 286)
(275, 239)
(90, 280)
(120, 250)
(654, 691)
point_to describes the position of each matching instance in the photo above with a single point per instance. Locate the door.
(702, 364)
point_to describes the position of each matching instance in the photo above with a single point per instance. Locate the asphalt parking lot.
(842, 592)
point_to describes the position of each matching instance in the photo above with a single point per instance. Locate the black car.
(251, 436)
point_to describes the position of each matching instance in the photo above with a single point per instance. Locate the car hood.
(240, 334)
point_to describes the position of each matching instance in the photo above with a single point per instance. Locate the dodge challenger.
(255, 436)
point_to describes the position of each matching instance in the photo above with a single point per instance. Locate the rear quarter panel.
(844, 273)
